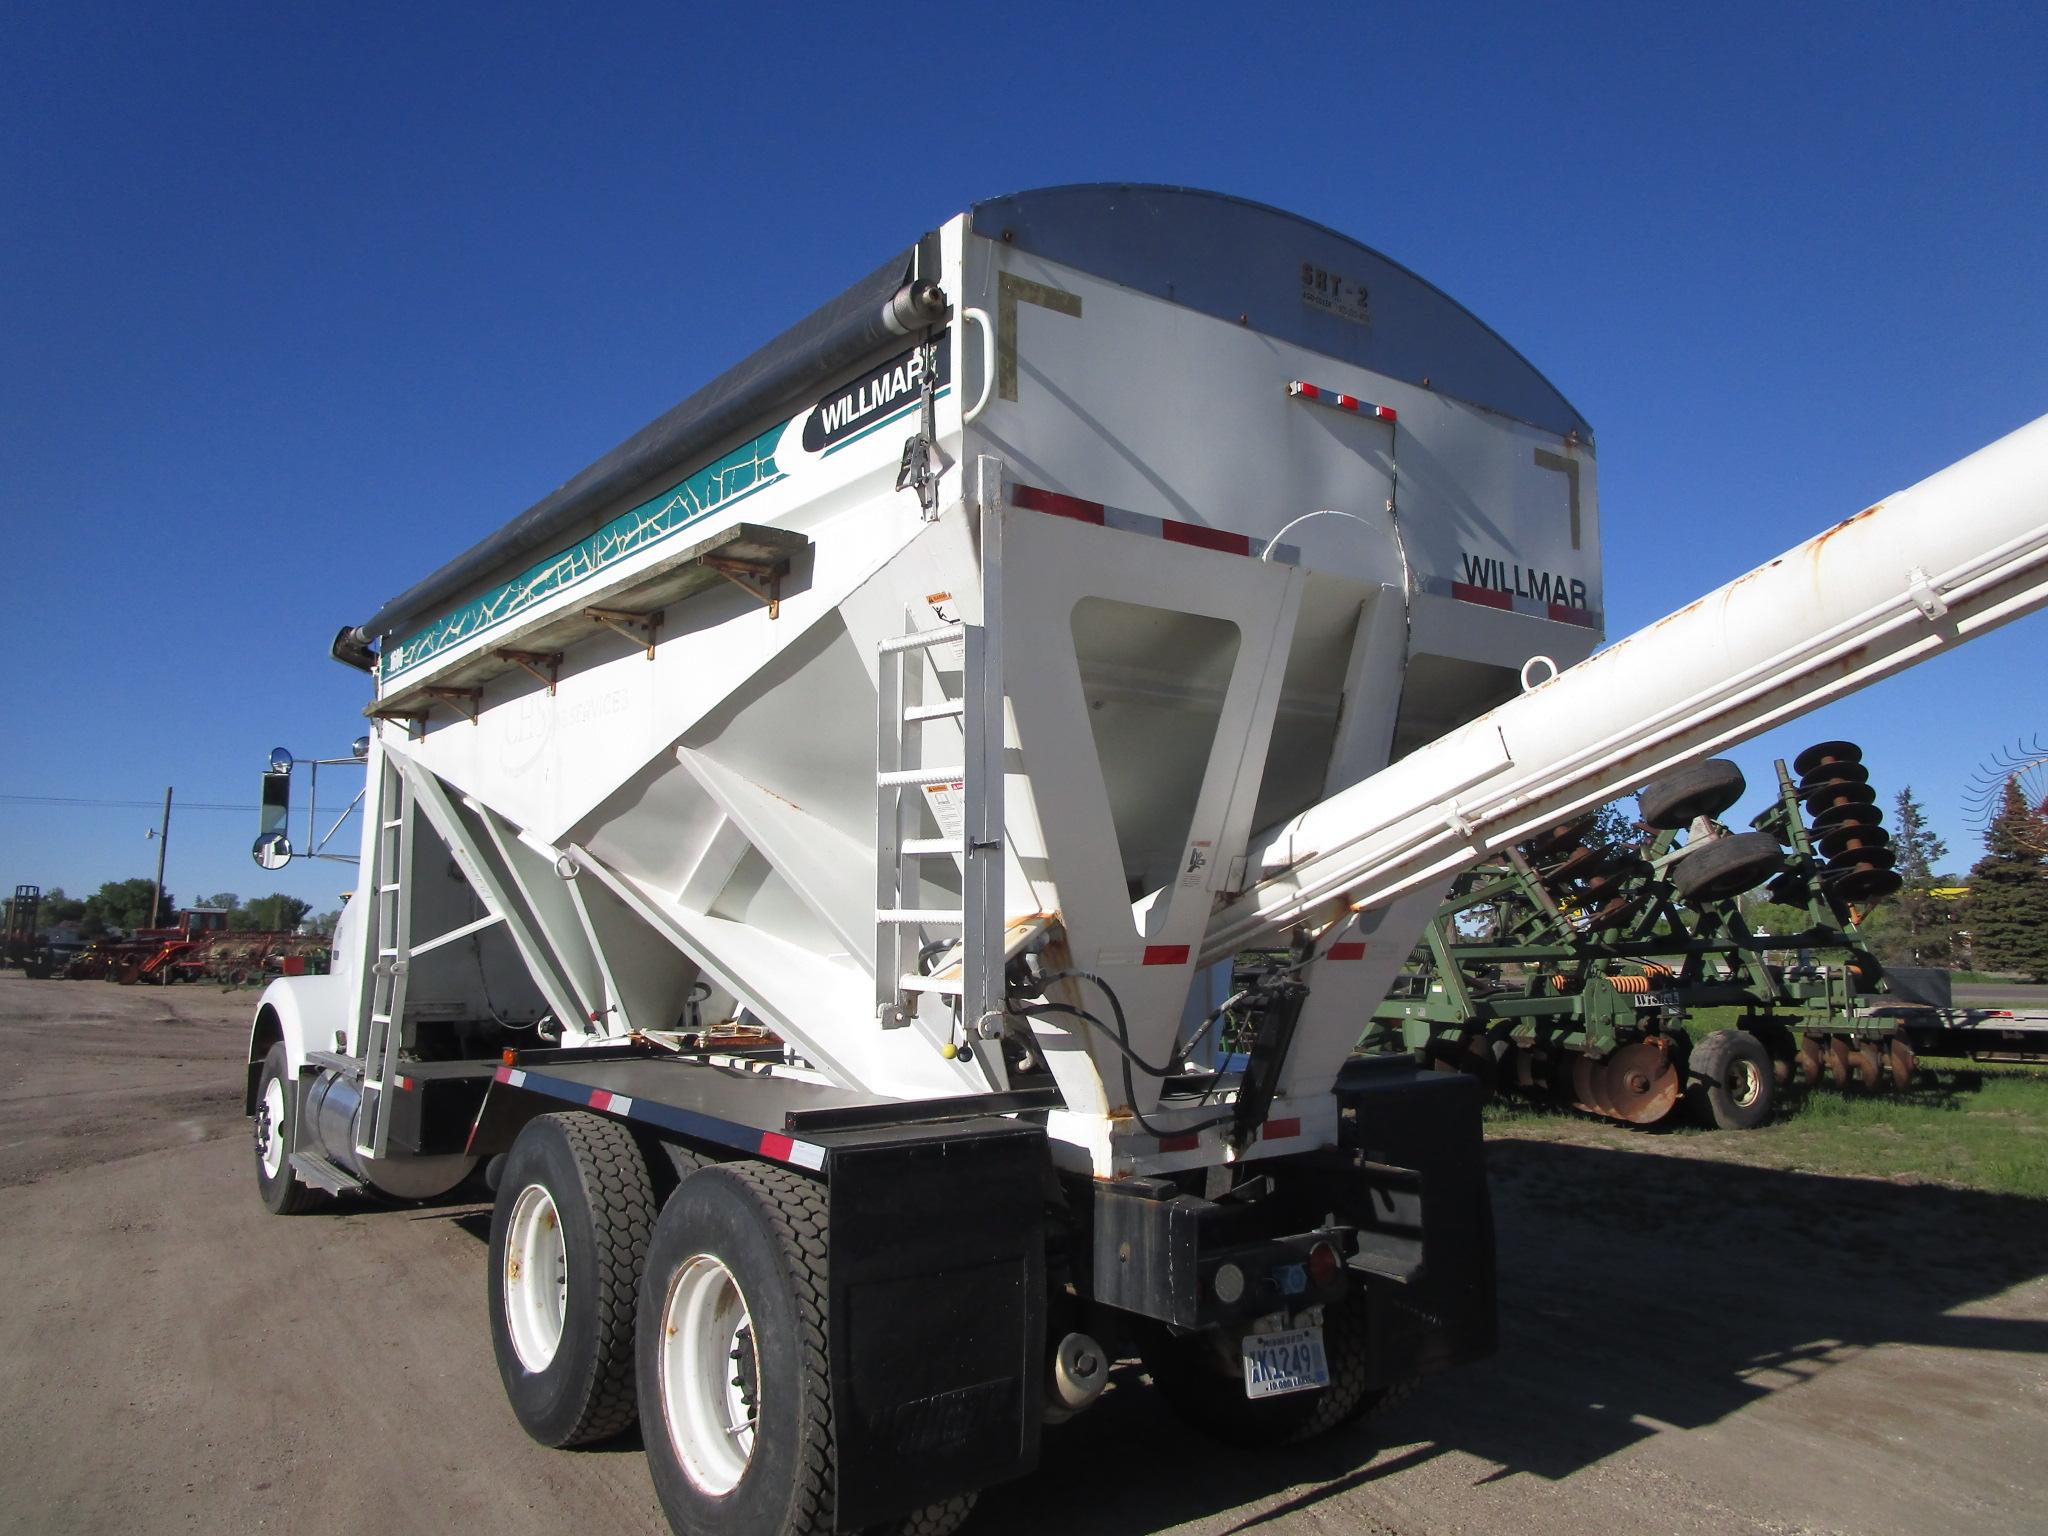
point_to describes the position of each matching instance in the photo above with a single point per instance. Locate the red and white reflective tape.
(1337, 400)
(1272, 1130)
(1511, 602)
(1034, 498)
(771, 1144)
(784, 1149)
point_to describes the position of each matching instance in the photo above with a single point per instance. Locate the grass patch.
(1963, 1124)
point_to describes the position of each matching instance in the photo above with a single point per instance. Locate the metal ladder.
(966, 801)
(381, 1031)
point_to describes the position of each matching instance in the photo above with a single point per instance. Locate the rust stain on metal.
(773, 796)
(1869, 511)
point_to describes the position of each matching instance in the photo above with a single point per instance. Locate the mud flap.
(937, 1326)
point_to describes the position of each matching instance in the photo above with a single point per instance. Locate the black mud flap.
(1427, 1124)
(937, 1325)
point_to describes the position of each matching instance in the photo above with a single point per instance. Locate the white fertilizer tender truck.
(799, 853)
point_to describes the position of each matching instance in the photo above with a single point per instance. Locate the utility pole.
(163, 844)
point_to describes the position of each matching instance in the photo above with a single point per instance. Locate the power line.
(183, 805)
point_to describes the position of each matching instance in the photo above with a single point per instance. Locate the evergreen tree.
(1913, 927)
(2008, 904)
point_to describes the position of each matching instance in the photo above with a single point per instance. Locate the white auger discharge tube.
(1924, 570)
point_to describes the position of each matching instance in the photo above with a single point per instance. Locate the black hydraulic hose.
(1121, 1036)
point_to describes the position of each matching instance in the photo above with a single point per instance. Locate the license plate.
(1285, 1362)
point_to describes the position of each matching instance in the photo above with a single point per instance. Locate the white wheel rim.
(710, 1374)
(270, 1138)
(536, 1278)
(1745, 1083)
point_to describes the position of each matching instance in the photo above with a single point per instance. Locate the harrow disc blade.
(1901, 1061)
(1862, 883)
(1834, 797)
(1637, 1084)
(1859, 814)
(1834, 773)
(1582, 863)
(1847, 837)
(1811, 1061)
(1822, 753)
(1558, 839)
(1838, 1061)
(1788, 890)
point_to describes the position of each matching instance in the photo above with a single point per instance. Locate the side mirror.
(273, 849)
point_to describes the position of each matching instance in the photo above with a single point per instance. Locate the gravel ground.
(1689, 1346)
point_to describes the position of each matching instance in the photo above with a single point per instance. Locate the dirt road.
(1688, 1346)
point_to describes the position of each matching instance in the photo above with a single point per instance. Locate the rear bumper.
(1403, 1202)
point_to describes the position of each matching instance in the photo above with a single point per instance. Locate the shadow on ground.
(1639, 1292)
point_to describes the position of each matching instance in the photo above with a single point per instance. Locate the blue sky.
(299, 301)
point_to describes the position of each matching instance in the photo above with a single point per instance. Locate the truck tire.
(1704, 789)
(735, 1376)
(277, 1118)
(1201, 1376)
(1732, 1086)
(1728, 866)
(569, 1235)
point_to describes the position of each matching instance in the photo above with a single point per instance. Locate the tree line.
(121, 906)
(2001, 922)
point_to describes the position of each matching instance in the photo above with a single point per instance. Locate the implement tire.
(1704, 789)
(1728, 866)
(569, 1236)
(1732, 1086)
(735, 1372)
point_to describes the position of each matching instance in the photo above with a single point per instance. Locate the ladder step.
(387, 889)
(930, 847)
(937, 919)
(392, 826)
(903, 778)
(931, 984)
(923, 639)
(951, 709)
(322, 1174)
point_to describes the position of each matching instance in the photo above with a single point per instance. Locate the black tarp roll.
(790, 368)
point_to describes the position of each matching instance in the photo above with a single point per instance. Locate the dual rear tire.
(568, 1239)
(706, 1322)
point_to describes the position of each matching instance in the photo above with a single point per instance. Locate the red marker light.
(1323, 1264)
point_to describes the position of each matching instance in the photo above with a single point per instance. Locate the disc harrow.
(1571, 970)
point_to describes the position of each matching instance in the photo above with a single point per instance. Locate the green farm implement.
(1571, 968)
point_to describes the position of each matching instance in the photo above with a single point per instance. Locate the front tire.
(569, 1236)
(735, 1384)
(277, 1122)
